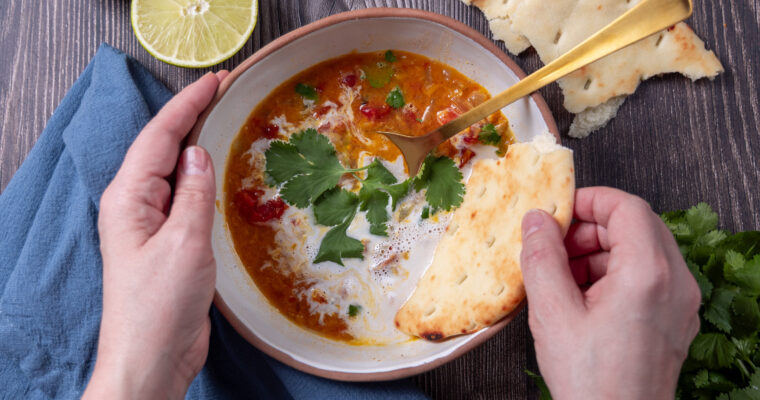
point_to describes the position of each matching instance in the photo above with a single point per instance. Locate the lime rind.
(240, 39)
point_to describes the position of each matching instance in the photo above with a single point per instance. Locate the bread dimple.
(475, 278)
(595, 92)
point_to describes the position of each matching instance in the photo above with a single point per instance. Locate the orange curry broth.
(425, 84)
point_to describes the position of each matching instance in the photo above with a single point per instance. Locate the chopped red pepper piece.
(247, 201)
(349, 80)
(447, 115)
(465, 157)
(374, 112)
(271, 131)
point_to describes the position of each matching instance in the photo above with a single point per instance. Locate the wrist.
(136, 374)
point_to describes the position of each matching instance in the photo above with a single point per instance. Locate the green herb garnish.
(425, 212)
(307, 166)
(724, 357)
(488, 135)
(539, 381)
(337, 245)
(354, 310)
(443, 181)
(307, 92)
(380, 186)
(395, 98)
(308, 171)
(379, 75)
(390, 57)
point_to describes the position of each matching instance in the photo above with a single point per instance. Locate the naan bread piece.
(596, 92)
(500, 24)
(475, 278)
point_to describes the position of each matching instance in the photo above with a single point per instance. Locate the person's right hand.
(627, 334)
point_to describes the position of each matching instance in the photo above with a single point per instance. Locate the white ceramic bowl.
(425, 33)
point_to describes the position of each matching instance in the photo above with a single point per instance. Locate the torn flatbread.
(596, 92)
(475, 278)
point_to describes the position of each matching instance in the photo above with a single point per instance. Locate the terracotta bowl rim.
(368, 13)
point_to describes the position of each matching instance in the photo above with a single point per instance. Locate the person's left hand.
(158, 267)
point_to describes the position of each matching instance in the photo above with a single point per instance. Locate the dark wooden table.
(674, 143)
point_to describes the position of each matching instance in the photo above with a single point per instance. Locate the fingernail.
(532, 222)
(194, 162)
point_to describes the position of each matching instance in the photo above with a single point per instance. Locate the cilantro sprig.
(395, 98)
(443, 181)
(724, 357)
(354, 310)
(489, 135)
(307, 92)
(307, 170)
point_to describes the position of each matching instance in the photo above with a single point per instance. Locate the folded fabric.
(50, 265)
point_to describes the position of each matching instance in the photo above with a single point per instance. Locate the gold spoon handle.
(641, 21)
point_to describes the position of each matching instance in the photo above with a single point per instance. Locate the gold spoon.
(641, 21)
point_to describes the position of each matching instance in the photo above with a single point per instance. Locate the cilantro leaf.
(390, 57)
(701, 218)
(488, 135)
(303, 189)
(379, 75)
(337, 245)
(380, 186)
(746, 320)
(745, 346)
(307, 92)
(425, 213)
(443, 181)
(746, 243)
(377, 214)
(316, 149)
(712, 380)
(307, 164)
(744, 273)
(354, 310)
(335, 207)
(713, 349)
(539, 381)
(705, 246)
(397, 192)
(754, 381)
(284, 162)
(744, 394)
(378, 175)
(395, 98)
(705, 286)
(701, 379)
(718, 311)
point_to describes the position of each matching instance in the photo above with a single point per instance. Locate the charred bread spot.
(432, 336)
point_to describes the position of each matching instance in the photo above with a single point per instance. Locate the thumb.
(195, 192)
(549, 282)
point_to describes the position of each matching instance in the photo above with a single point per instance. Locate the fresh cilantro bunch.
(308, 170)
(723, 358)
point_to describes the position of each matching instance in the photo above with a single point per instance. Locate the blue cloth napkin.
(50, 265)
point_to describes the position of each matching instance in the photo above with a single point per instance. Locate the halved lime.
(193, 33)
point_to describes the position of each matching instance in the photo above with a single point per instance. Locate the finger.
(155, 151)
(597, 204)
(584, 238)
(549, 282)
(222, 74)
(589, 268)
(193, 208)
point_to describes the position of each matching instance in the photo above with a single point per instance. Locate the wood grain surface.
(674, 143)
